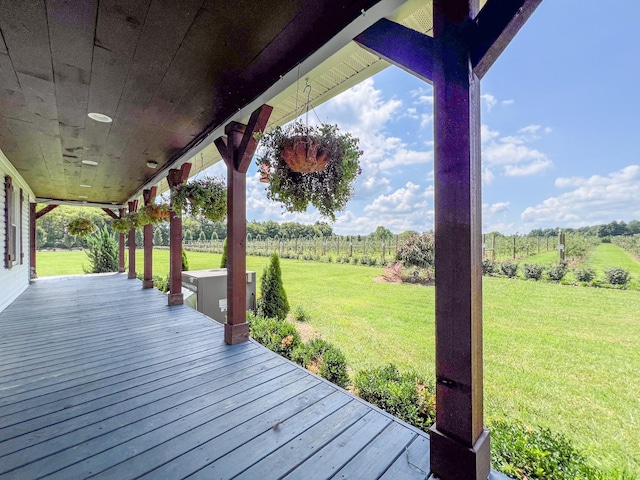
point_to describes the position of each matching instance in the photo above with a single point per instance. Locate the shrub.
(185, 261)
(417, 251)
(532, 271)
(102, 252)
(324, 359)
(278, 336)
(424, 276)
(300, 315)
(273, 301)
(617, 275)
(161, 283)
(584, 274)
(488, 266)
(536, 453)
(406, 395)
(509, 269)
(223, 260)
(557, 272)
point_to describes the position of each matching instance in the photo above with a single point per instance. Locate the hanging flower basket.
(305, 154)
(310, 165)
(205, 197)
(121, 225)
(81, 227)
(156, 212)
(264, 173)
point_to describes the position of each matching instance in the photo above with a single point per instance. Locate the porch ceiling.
(167, 73)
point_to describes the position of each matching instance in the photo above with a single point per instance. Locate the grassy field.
(559, 356)
(607, 255)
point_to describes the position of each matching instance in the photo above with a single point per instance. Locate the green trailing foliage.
(417, 251)
(273, 301)
(407, 395)
(102, 252)
(617, 276)
(278, 336)
(223, 260)
(324, 359)
(532, 271)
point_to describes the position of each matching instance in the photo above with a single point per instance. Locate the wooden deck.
(100, 378)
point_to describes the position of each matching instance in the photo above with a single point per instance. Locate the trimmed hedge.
(278, 336)
(324, 359)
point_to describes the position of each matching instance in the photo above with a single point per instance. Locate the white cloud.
(593, 200)
(510, 155)
(495, 217)
(489, 100)
(507, 102)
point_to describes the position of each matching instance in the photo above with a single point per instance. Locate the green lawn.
(560, 356)
(608, 255)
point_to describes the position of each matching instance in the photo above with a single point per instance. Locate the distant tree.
(382, 233)
(201, 237)
(273, 301)
(102, 252)
(157, 237)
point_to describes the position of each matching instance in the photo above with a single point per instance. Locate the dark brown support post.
(109, 212)
(174, 178)
(237, 148)
(32, 241)
(121, 246)
(33, 216)
(459, 441)
(133, 206)
(148, 196)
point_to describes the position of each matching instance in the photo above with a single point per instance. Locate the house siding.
(15, 280)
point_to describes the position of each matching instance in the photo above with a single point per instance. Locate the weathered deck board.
(100, 378)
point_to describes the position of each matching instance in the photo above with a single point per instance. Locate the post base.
(175, 299)
(147, 284)
(131, 275)
(451, 460)
(121, 270)
(234, 334)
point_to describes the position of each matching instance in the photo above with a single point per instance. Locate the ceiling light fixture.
(99, 117)
(89, 162)
(85, 186)
(82, 196)
(152, 164)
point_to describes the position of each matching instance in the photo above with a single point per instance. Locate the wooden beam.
(459, 442)
(109, 212)
(496, 25)
(121, 246)
(406, 48)
(148, 196)
(237, 149)
(133, 206)
(175, 177)
(32, 241)
(45, 210)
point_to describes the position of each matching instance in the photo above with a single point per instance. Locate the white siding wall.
(15, 280)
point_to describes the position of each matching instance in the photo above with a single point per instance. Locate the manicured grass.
(564, 357)
(608, 255)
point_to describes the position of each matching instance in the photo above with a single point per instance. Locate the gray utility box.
(206, 291)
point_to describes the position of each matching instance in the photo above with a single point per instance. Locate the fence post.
(515, 237)
(493, 248)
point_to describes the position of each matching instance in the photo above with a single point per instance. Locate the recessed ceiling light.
(82, 196)
(89, 162)
(85, 186)
(152, 164)
(99, 117)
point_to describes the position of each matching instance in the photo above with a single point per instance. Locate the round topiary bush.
(532, 271)
(617, 275)
(417, 251)
(280, 337)
(509, 269)
(557, 272)
(584, 274)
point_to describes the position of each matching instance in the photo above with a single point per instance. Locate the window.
(11, 228)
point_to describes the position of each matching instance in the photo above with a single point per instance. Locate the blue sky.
(560, 131)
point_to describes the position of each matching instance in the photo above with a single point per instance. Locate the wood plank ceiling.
(167, 72)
